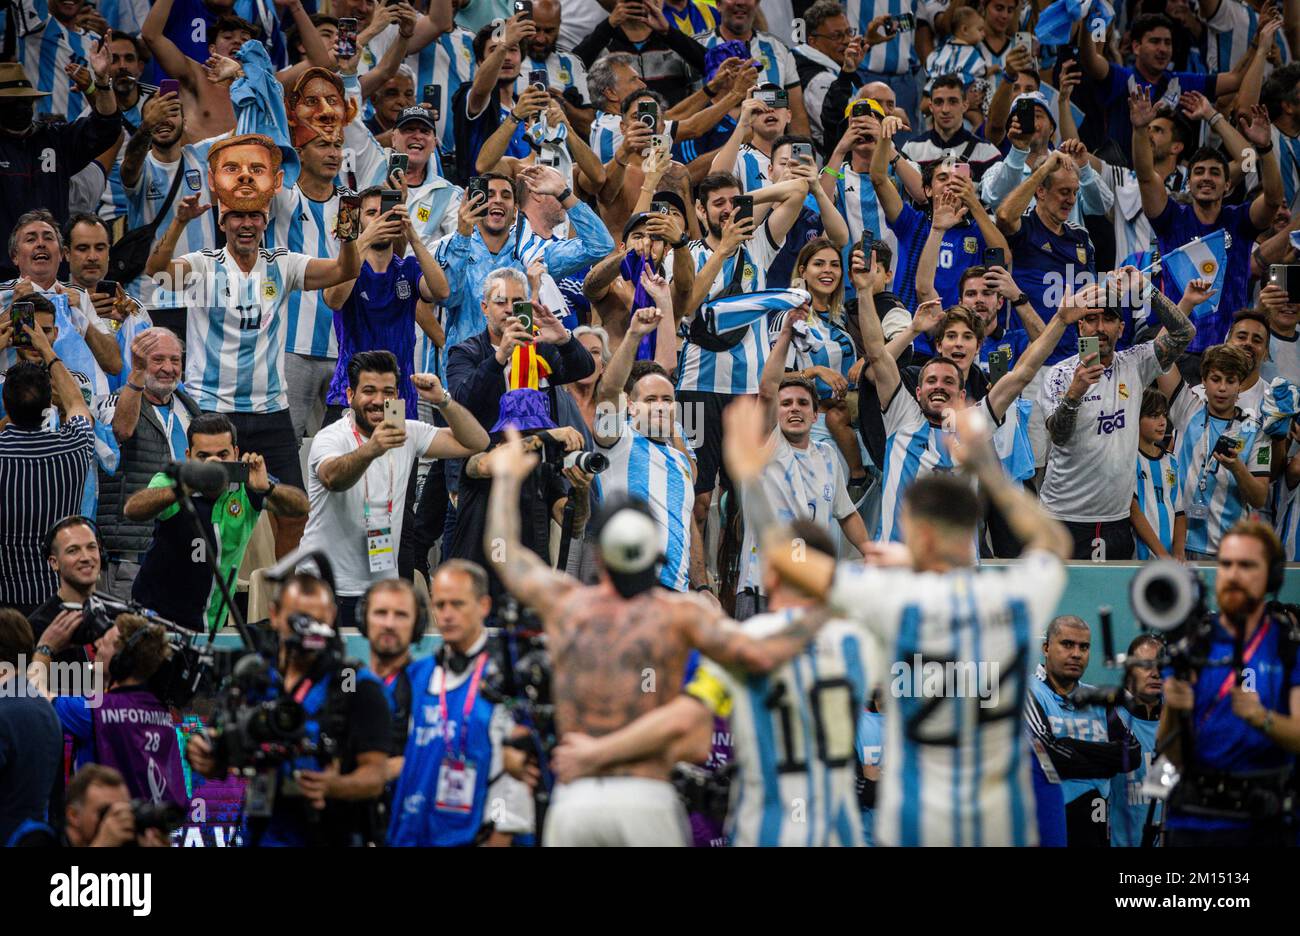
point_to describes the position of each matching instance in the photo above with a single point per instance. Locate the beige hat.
(14, 82)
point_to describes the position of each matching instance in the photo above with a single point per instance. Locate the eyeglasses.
(836, 36)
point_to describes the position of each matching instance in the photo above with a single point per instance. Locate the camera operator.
(127, 727)
(72, 551)
(1092, 744)
(1237, 714)
(324, 791)
(455, 763)
(99, 813)
(1139, 710)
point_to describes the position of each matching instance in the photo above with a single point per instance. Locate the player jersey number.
(830, 702)
(1011, 684)
(945, 257)
(250, 317)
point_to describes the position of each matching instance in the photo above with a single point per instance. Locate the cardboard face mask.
(244, 172)
(316, 106)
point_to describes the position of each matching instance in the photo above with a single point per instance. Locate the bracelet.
(1019, 300)
(134, 387)
(444, 402)
(45, 650)
(1264, 150)
(564, 196)
(682, 244)
(897, 157)
(1267, 727)
(1217, 116)
(269, 490)
(621, 163)
(705, 587)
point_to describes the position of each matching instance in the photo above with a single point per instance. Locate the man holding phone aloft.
(1093, 406)
(174, 579)
(359, 467)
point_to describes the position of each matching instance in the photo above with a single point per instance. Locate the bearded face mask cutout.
(244, 172)
(317, 107)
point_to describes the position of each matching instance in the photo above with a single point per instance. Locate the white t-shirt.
(337, 522)
(1285, 354)
(1090, 476)
(799, 483)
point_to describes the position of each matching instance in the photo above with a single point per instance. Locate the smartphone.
(1090, 347)
(648, 113)
(20, 314)
(347, 41)
(904, 22)
(395, 413)
(1024, 115)
(1227, 446)
(860, 109)
(1024, 40)
(660, 207)
(236, 471)
(433, 96)
(961, 169)
(524, 8)
(477, 184)
(524, 312)
(539, 79)
(193, 179)
(1286, 276)
(884, 255)
(782, 98)
(388, 200)
(107, 287)
(803, 151)
(743, 207)
(398, 161)
(995, 257)
(348, 224)
(661, 142)
(999, 364)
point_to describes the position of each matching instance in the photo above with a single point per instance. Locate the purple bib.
(134, 733)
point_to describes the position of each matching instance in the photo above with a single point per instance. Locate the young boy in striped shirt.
(1159, 524)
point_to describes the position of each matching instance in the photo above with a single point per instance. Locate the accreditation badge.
(455, 785)
(379, 548)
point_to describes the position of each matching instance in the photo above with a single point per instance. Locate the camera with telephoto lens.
(590, 462)
(256, 724)
(1169, 598)
(165, 816)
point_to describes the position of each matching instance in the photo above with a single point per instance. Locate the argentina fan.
(662, 423)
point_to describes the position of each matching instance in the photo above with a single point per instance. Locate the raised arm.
(518, 30)
(724, 159)
(1154, 194)
(529, 105)
(882, 369)
(610, 388)
(1015, 204)
(392, 58)
(1259, 133)
(1004, 392)
(887, 195)
(468, 437)
(322, 273)
(521, 570)
(152, 112)
(774, 369)
(1178, 330)
(168, 55)
(1095, 65)
(948, 212)
(160, 258)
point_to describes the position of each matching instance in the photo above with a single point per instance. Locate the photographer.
(1139, 710)
(100, 814)
(455, 760)
(127, 727)
(323, 788)
(1230, 724)
(174, 578)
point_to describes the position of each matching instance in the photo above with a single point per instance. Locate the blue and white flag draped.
(737, 312)
(1203, 258)
(1012, 443)
(258, 98)
(1057, 21)
(1279, 405)
(1295, 239)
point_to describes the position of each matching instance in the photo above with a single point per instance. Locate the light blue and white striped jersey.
(855, 197)
(957, 770)
(1066, 720)
(824, 344)
(898, 55)
(1287, 149)
(235, 354)
(1159, 490)
(73, 318)
(777, 64)
(1284, 353)
(792, 736)
(752, 168)
(914, 448)
(447, 63)
(805, 483)
(1133, 231)
(1229, 34)
(1287, 523)
(44, 54)
(1128, 805)
(146, 197)
(365, 162)
(994, 63)
(1211, 497)
(564, 69)
(738, 370)
(955, 58)
(303, 225)
(606, 134)
(113, 202)
(661, 476)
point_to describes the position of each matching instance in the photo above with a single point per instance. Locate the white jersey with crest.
(958, 769)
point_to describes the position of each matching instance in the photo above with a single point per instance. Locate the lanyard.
(365, 481)
(167, 429)
(1231, 679)
(1209, 450)
(300, 693)
(470, 696)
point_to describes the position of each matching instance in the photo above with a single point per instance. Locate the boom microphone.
(202, 476)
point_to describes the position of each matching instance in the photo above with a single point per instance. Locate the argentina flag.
(1012, 443)
(738, 312)
(1203, 258)
(1279, 405)
(1057, 21)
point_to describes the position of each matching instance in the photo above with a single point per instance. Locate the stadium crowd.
(517, 311)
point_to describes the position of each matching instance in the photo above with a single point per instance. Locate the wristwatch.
(681, 244)
(45, 649)
(1019, 300)
(446, 399)
(564, 196)
(270, 489)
